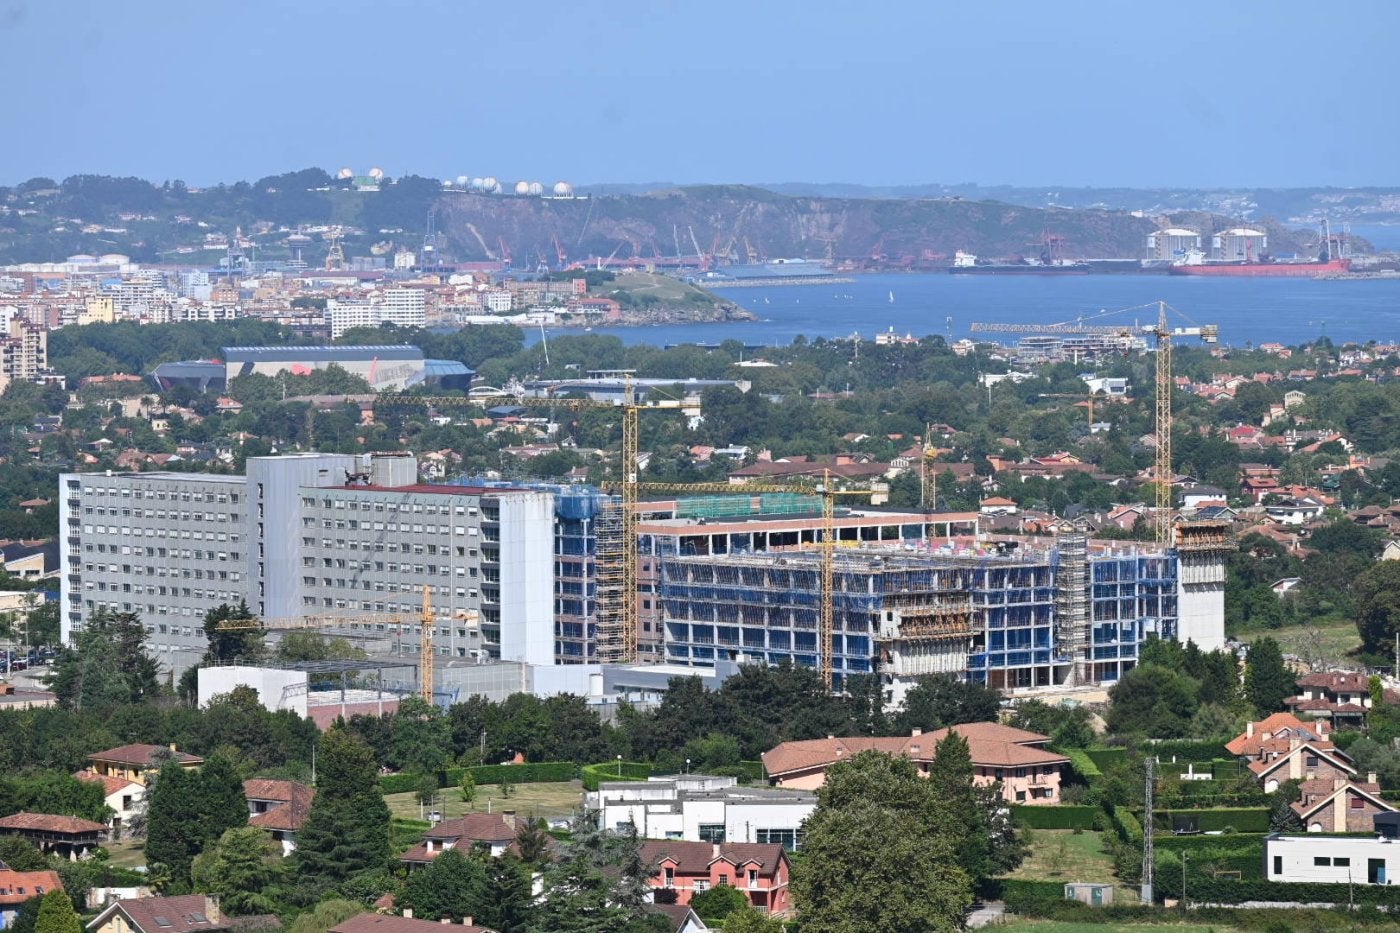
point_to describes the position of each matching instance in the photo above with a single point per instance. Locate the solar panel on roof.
(163, 921)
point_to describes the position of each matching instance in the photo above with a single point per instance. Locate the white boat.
(891, 297)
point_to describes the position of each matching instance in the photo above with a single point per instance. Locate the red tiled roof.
(141, 755)
(51, 823)
(16, 887)
(991, 745)
(1337, 680)
(389, 923)
(492, 828)
(185, 913)
(294, 803)
(1318, 793)
(1245, 744)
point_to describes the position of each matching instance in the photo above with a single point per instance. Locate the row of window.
(377, 586)
(184, 591)
(160, 494)
(390, 547)
(184, 533)
(351, 524)
(417, 508)
(163, 515)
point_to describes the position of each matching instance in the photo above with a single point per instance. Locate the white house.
(126, 799)
(1337, 859)
(703, 808)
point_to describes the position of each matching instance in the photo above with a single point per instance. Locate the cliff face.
(723, 218)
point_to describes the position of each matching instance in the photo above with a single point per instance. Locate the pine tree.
(173, 832)
(509, 897)
(56, 915)
(242, 867)
(347, 830)
(222, 804)
(1267, 680)
(451, 886)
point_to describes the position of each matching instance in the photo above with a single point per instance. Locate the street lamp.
(619, 766)
(687, 766)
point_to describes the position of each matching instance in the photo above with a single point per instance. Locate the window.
(711, 832)
(670, 874)
(1341, 862)
(702, 884)
(1357, 803)
(1320, 860)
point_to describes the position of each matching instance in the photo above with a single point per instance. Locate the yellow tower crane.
(1164, 333)
(828, 493)
(617, 629)
(320, 623)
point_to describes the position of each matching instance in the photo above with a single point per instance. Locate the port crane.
(827, 492)
(617, 630)
(1164, 334)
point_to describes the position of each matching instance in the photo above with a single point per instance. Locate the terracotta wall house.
(759, 871)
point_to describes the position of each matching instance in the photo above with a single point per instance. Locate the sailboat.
(891, 297)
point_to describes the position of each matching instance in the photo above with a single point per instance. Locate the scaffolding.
(740, 505)
(611, 582)
(1072, 629)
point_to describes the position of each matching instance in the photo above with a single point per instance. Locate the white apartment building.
(310, 534)
(403, 307)
(341, 316)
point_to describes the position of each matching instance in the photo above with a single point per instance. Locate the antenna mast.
(1148, 859)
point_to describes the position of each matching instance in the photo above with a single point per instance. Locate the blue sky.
(1073, 92)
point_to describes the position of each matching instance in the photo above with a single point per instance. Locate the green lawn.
(1332, 639)
(1061, 855)
(550, 801)
(127, 853)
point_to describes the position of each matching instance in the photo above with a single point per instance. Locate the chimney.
(173, 748)
(446, 921)
(211, 909)
(408, 913)
(714, 850)
(1339, 783)
(915, 731)
(1370, 777)
(1249, 730)
(467, 920)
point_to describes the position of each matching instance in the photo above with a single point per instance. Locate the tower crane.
(1164, 334)
(320, 623)
(618, 630)
(828, 493)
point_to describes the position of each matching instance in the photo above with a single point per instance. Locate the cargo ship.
(1244, 255)
(967, 264)
(1306, 269)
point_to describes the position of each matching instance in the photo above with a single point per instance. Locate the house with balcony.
(1027, 771)
(1341, 698)
(760, 872)
(66, 836)
(135, 762)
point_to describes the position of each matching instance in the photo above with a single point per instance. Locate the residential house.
(16, 887)
(135, 762)
(388, 923)
(998, 505)
(187, 913)
(124, 798)
(679, 917)
(1340, 697)
(495, 830)
(760, 872)
(1283, 747)
(280, 807)
(1339, 805)
(1294, 510)
(1027, 771)
(1341, 860)
(66, 836)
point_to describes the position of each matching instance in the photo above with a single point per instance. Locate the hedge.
(1212, 801)
(1083, 765)
(1231, 891)
(1240, 819)
(1060, 817)
(1127, 826)
(1021, 889)
(593, 775)
(530, 772)
(1252, 842)
(1106, 758)
(399, 783)
(748, 772)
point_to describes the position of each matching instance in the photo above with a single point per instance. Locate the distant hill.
(45, 220)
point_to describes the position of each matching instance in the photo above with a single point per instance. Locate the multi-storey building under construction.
(1067, 615)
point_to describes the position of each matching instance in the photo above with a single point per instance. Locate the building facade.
(310, 534)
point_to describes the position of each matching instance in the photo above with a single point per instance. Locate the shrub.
(1083, 764)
